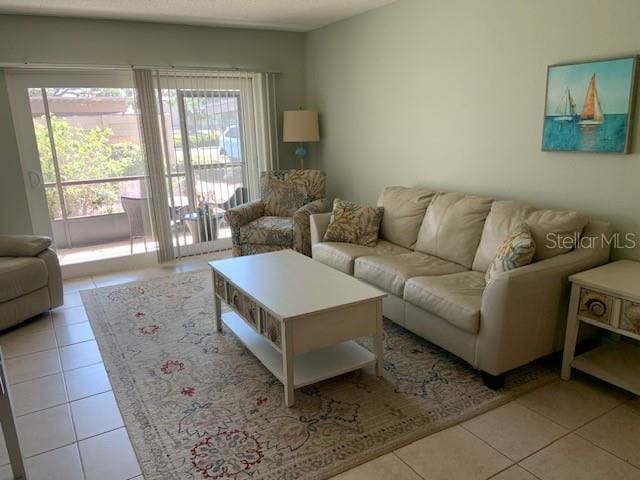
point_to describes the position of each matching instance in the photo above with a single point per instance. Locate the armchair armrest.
(318, 224)
(524, 311)
(23, 245)
(241, 215)
(301, 224)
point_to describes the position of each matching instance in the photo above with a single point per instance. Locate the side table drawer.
(235, 298)
(596, 306)
(271, 329)
(220, 286)
(252, 313)
(630, 317)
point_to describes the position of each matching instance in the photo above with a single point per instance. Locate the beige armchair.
(280, 219)
(30, 278)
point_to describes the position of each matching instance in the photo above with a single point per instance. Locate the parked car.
(230, 142)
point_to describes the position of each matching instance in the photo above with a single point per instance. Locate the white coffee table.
(299, 317)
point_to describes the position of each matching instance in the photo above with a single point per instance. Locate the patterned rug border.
(115, 363)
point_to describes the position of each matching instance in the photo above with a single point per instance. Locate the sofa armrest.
(301, 224)
(318, 225)
(54, 283)
(23, 245)
(524, 311)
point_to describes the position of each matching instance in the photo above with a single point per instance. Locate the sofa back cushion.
(548, 228)
(504, 216)
(285, 191)
(404, 210)
(555, 232)
(452, 227)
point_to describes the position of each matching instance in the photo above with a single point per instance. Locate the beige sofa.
(431, 258)
(30, 278)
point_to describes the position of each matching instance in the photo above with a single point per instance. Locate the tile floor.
(70, 426)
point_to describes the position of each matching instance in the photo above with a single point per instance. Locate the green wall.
(450, 94)
(54, 40)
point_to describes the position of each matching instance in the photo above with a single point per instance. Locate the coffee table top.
(290, 284)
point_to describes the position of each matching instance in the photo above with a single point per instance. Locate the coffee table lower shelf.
(308, 368)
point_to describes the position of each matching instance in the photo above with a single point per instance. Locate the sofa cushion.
(456, 298)
(390, 272)
(268, 231)
(353, 223)
(504, 216)
(342, 256)
(21, 275)
(551, 228)
(452, 227)
(516, 251)
(404, 210)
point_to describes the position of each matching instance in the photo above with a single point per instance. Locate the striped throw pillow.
(516, 251)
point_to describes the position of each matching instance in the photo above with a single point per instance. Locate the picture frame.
(589, 106)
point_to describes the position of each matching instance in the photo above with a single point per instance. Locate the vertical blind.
(207, 136)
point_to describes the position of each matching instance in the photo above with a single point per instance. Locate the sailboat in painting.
(592, 111)
(566, 108)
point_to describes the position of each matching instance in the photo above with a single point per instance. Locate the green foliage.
(86, 155)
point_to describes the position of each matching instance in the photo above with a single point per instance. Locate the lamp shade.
(300, 126)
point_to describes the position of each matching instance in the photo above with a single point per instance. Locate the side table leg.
(378, 340)
(287, 364)
(218, 308)
(571, 335)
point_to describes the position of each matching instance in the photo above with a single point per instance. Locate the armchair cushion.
(353, 223)
(268, 231)
(22, 275)
(302, 224)
(23, 245)
(285, 191)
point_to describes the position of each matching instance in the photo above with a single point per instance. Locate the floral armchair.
(280, 219)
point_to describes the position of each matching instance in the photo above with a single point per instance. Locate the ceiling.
(294, 15)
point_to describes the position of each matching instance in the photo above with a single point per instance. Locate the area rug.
(198, 405)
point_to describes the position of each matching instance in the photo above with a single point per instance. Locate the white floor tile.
(32, 366)
(572, 457)
(453, 453)
(69, 316)
(617, 432)
(71, 299)
(6, 473)
(80, 355)
(95, 415)
(38, 394)
(86, 381)
(76, 333)
(31, 343)
(45, 430)
(77, 284)
(514, 430)
(109, 456)
(117, 278)
(574, 403)
(60, 464)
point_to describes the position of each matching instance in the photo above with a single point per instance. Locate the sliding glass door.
(83, 156)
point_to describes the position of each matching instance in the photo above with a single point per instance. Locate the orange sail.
(591, 110)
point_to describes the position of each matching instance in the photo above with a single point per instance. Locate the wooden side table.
(607, 297)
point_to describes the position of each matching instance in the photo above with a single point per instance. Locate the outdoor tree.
(85, 155)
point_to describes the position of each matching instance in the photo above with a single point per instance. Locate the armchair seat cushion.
(390, 272)
(20, 276)
(342, 256)
(268, 231)
(456, 298)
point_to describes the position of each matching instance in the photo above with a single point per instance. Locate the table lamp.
(300, 126)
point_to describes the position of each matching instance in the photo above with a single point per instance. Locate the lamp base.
(301, 152)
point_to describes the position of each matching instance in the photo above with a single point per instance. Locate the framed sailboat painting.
(589, 106)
